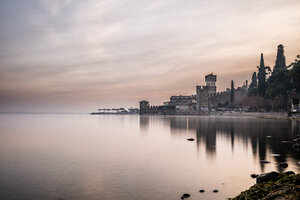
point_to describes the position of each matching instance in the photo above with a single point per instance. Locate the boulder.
(271, 176)
(215, 191)
(201, 191)
(283, 165)
(297, 140)
(289, 173)
(191, 139)
(296, 147)
(254, 175)
(184, 196)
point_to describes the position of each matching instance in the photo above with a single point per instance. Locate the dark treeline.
(274, 90)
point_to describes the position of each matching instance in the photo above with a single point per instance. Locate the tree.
(252, 91)
(280, 80)
(253, 80)
(295, 75)
(232, 93)
(280, 58)
(261, 77)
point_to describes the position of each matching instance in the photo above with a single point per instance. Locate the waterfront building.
(206, 99)
(204, 92)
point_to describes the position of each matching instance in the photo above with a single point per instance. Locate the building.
(182, 103)
(223, 99)
(144, 107)
(203, 93)
(206, 99)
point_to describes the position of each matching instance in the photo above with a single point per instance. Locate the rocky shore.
(273, 186)
(260, 115)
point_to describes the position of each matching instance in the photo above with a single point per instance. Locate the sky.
(81, 55)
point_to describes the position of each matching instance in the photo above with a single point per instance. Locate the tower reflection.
(266, 138)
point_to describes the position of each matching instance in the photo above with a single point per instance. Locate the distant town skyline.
(75, 55)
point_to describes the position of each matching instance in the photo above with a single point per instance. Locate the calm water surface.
(76, 157)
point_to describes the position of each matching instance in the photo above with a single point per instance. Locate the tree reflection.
(265, 137)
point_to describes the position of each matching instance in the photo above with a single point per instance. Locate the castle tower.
(144, 107)
(211, 83)
(204, 92)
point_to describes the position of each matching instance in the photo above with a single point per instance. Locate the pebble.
(264, 161)
(184, 196)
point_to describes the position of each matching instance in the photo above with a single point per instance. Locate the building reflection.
(265, 137)
(144, 123)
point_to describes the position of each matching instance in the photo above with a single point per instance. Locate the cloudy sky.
(80, 55)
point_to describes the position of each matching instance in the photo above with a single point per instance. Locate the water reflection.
(144, 122)
(137, 157)
(268, 138)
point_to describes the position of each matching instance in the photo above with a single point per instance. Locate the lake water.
(128, 157)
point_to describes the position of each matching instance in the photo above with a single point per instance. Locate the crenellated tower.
(204, 92)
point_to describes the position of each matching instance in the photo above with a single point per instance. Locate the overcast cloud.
(84, 54)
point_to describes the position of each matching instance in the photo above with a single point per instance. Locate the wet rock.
(283, 165)
(271, 176)
(285, 188)
(297, 139)
(296, 147)
(275, 154)
(215, 191)
(191, 139)
(289, 173)
(186, 195)
(254, 175)
(201, 191)
(264, 162)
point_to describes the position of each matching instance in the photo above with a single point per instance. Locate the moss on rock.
(287, 187)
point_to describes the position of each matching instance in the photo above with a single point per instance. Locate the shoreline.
(259, 115)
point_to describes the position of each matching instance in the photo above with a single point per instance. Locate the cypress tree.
(280, 80)
(253, 80)
(261, 77)
(252, 91)
(232, 93)
(280, 58)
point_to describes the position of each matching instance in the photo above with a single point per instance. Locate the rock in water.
(283, 165)
(267, 177)
(289, 173)
(264, 161)
(191, 139)
(254, 175)
(296, 147)
(185, 196)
